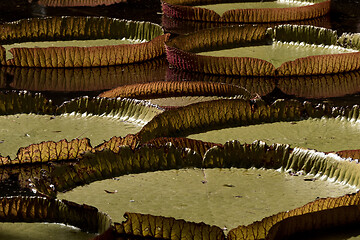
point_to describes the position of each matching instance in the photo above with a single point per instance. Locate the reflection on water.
(321, 86)
(81, 79)
(309, 87)
(255, 85)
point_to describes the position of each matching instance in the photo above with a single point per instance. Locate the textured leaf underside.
(170, 89)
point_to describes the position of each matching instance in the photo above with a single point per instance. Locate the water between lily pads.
(222, 197)
(279, 52)
(21, 130)
(223, 7)
(69, 43)
(325, 134)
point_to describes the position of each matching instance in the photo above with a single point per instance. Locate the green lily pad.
(320, 127)
(278, 53)
(213, 196)
(182, 26)
(70, 43)
(105, 164)
(79, 42)
(325, 134)
(285, 50)
(21, 130)
(251, 11)
(221, 8)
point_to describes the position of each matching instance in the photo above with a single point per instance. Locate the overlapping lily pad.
(223, 120)
(240, 11)
(121, 116)
(245, 51)
(79, 42)
(105, 164)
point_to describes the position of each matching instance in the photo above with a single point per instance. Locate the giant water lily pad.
(232, 154)
(118, 116)
(242, 11)
(325, 134)
(182, 26)
(21, 130)
(293, 122)
(214, 196)
(254, 51)
(79, 42)
(178, 93)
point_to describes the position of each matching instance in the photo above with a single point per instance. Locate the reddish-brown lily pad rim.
(178, 9)
(181, 51)
(81, 28)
